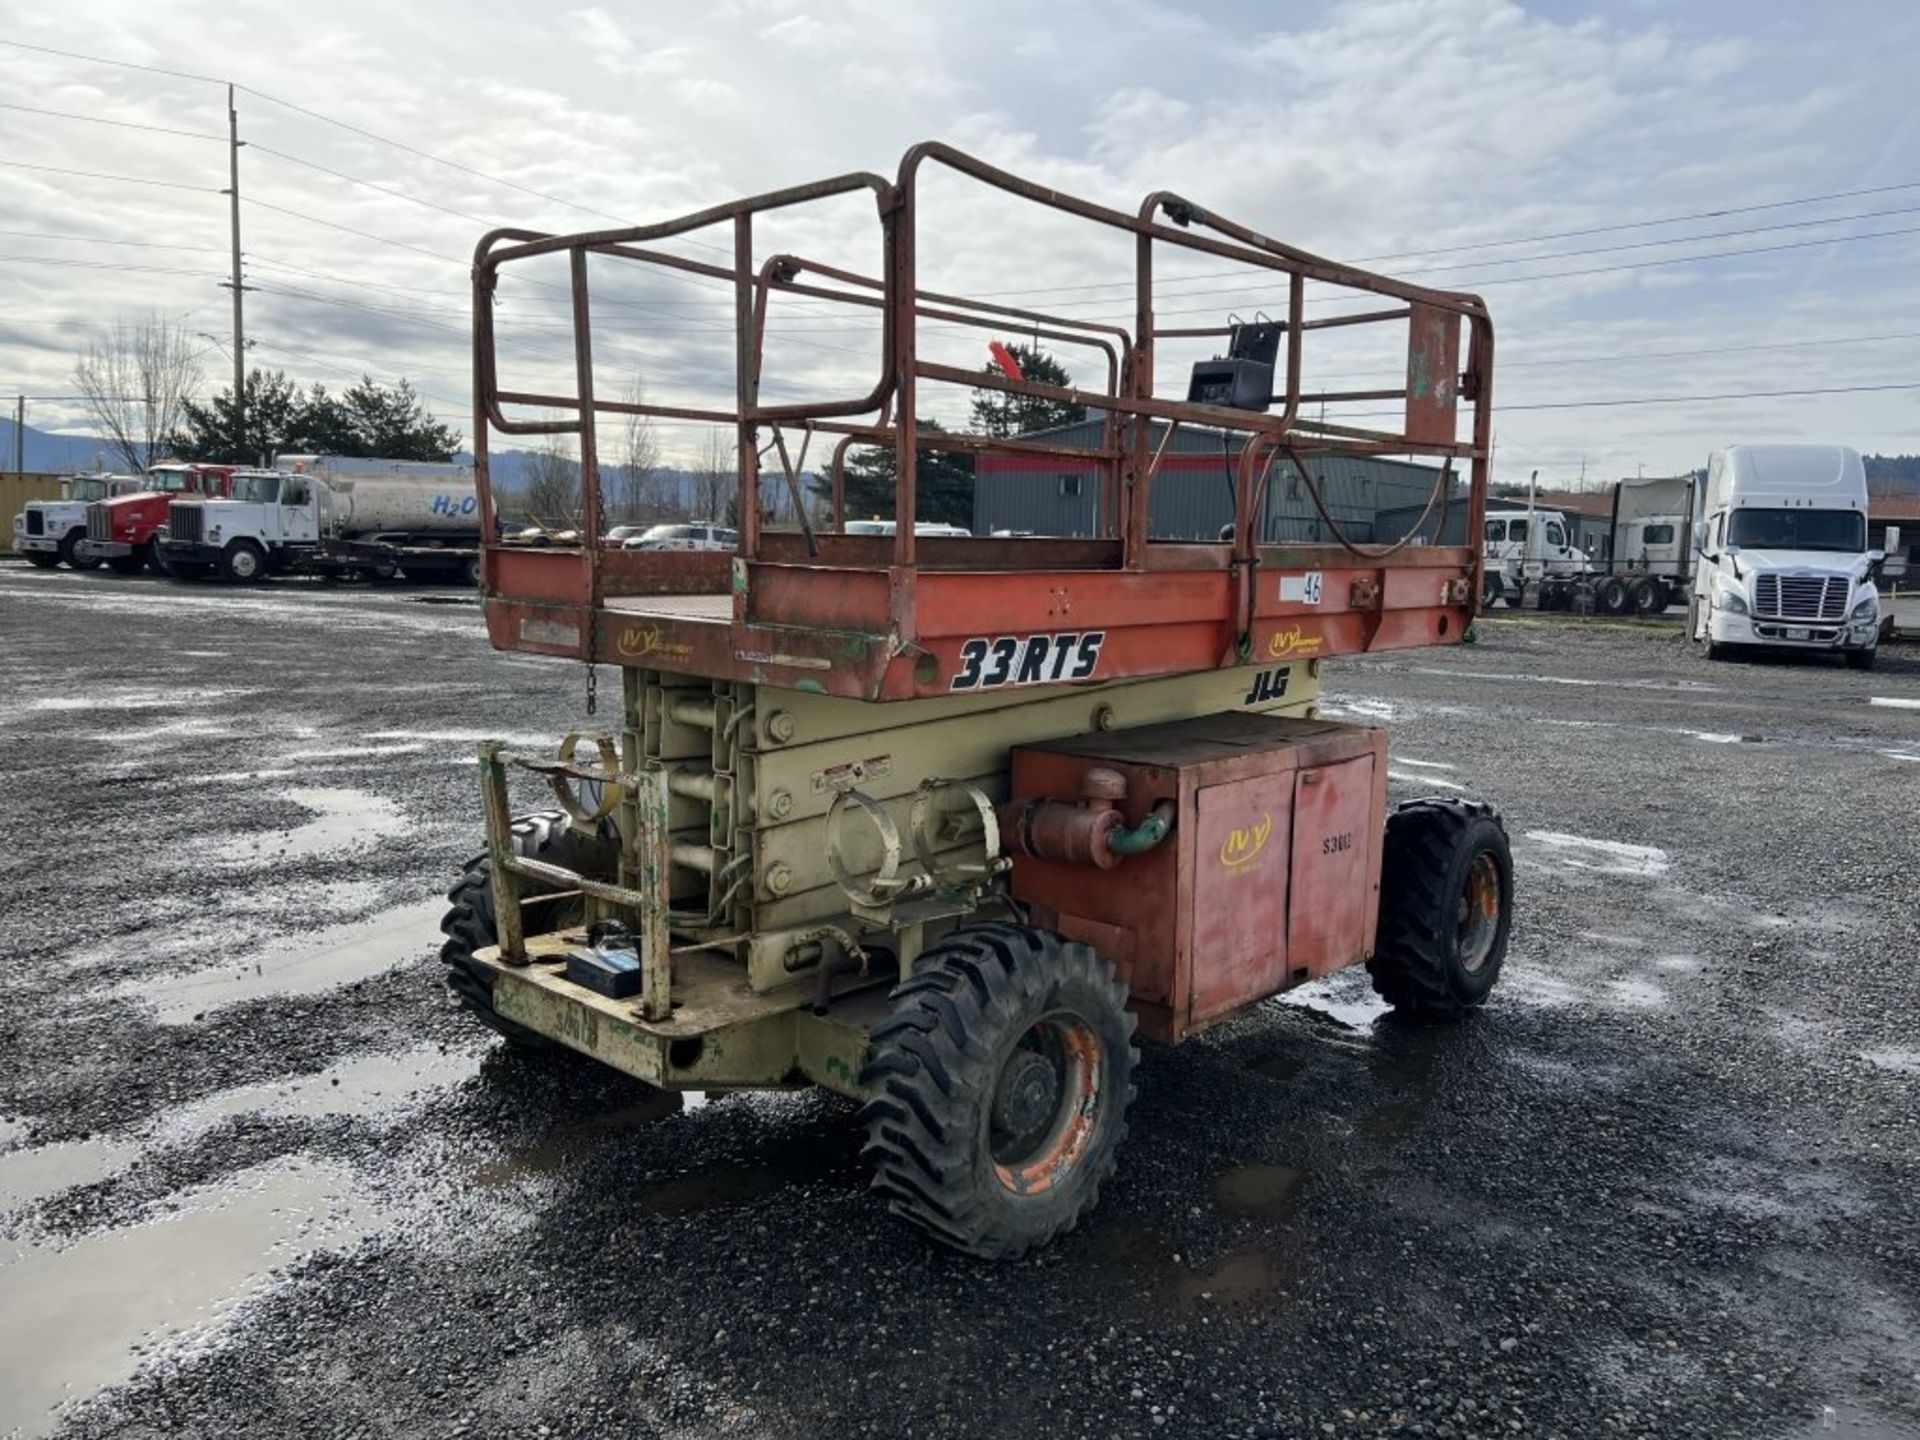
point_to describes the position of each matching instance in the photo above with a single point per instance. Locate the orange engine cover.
(1271, 874)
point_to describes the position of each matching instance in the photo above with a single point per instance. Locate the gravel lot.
(258, 1178)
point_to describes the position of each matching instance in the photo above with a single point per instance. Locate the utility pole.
(239, 323)
(19, 434)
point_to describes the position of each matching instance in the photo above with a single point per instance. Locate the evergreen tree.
(1002, 414)
(368, 420)
(943, 483)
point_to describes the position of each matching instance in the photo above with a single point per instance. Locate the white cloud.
(1370, 127)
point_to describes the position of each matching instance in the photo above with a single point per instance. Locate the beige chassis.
(773, 819)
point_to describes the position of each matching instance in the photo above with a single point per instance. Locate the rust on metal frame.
(895, 636)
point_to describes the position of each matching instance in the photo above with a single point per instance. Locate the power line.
(1712, 350)
(98, 265)
(103, 120)
(103, 240)
(96, 175)
(371, 185)
(1692, 399)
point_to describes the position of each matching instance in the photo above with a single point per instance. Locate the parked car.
(685, 537)
(922, 527)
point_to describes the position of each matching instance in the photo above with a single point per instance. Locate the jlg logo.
(1240, 846)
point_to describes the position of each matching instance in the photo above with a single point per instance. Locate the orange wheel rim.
(1046, 1104)
(1479, 912)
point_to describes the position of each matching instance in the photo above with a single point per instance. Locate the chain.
(593, 687)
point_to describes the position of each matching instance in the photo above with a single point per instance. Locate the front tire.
(42, 559)
(1860, 659)
(71, 555)
(1446, 908)
(244, 562)
(131, 564)
(999, 1088)
(469, 922)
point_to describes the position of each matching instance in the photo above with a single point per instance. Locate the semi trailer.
(1780, 538)
(54, 532)
(319, 514)
(121, 529)
(951, 825)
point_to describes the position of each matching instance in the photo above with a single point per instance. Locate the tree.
(716, 476)
(552, 494)
(368, 419)
(943, 489)
(639, 457)
(136, 384)
(1001, 413)
(393, 423)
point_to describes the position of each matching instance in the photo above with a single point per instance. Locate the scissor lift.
(883, 811)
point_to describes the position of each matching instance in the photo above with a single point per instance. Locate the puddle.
(78, 1318)
(1281, 1065)
(345, 823)
(360, 1085)
(540, 744)
(304, 965)
(1422, 778)
(1605, 857)
(1347, 998)
(1892, 1057)
(1899, 755)
(1259, 1192)
(715, 1187)
(1715, 737)
(1421, 764)
(1850, 1422)
(1366, 709)
(357, 752)
(1891, 702)
(551, 1151)
(29, 1176)
(1243, 1279)
(1632, 994)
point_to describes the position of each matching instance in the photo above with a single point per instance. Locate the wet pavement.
(258, 1178)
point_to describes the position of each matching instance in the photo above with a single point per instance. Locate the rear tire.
(70, 555)
(1492, 591)
(1612, 599)
(42, 559)
(1648, 597)
(1446, 908)
(999, 1088)
(469, 923)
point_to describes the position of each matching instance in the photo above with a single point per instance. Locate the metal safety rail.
(767, 607)
(648, 899)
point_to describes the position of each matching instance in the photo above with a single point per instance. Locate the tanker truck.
(326, 515)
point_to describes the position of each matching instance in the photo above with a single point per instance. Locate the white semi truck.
(1780, 532)
(1527, 547)
(320, 514)
(54, 532)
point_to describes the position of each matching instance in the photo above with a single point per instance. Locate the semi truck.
(321, 514)
(1523, 547)
(52, 532)
(1780, 536)
(121, 529)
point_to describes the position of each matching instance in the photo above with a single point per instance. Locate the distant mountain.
(46, 450)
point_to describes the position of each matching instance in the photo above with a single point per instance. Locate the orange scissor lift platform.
(905, 616)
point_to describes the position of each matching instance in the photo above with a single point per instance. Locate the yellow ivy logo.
(1241, 845)
(1292, 641)
(636, 642)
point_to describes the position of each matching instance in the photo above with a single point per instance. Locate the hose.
(1144, 836)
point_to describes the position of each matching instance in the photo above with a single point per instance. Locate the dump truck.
(319, 514)
(54, 532)
(121, 529)
(953, 825)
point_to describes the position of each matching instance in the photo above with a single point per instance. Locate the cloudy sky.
(1657, 200)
